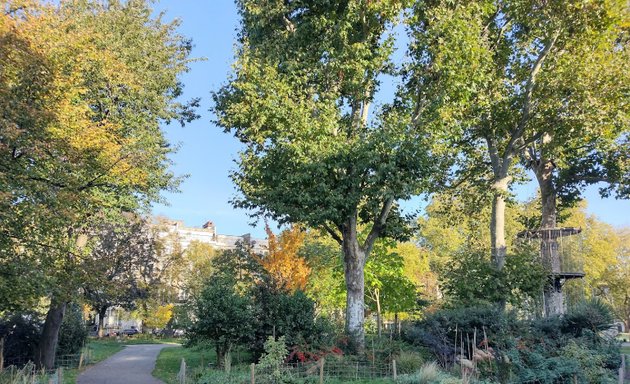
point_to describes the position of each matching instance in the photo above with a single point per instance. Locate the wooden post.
(321, 371)
(622, 369)
(81, 360)
(60, 375)
(182, 372)
(394, 369)
(252, 369)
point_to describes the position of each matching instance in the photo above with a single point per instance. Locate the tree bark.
(497, 222)
(220, 349)
(354, 265)
(379, 325)
(553, 296)
(101, 321)
(45, 357)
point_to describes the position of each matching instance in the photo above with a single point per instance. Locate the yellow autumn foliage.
(288, 270)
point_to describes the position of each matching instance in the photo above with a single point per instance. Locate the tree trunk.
(553, 296)
(497, 222)
(354, 265)
(220, 354)
(45, 357)
(101, 321)
(379, 326)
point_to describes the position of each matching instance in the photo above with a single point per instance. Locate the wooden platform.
(549, 233)
(568, 275)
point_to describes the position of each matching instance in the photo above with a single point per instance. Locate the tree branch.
(379, 225)
(333, 233)
(517, 132)
(288, 24)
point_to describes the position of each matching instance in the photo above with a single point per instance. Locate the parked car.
(130, 332)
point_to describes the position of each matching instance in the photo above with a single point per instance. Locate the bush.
(271, 361)
(591, 315)
(441, 331)
(223, 317)
(291, 315)
(73, 332)
(428, 374)
(409, 362)
(473, 279)
(21, 335)
(221, 377)
(545, 351)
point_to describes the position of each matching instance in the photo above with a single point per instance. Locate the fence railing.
(318, 371)
(28, 373)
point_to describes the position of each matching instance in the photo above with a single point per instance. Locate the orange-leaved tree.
(287, 269)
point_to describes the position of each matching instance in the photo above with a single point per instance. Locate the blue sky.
(206, 154)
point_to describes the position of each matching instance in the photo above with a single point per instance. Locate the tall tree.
(387, 287)
(508, 75)
(316, 151)
(122, 253)
(614, 284)
(90, 147)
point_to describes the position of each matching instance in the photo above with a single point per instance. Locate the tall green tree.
(521, 78)
(387, 287)
(317, 152)
(114, 271)
(100, 77)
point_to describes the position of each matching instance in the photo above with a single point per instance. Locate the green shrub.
(273, 358)
(409, 362)
(221, 377)
(73, 332)
(592, 315)
(546, 351)
(441, 331)
(428, 374)
(21, 334)
(292, 315)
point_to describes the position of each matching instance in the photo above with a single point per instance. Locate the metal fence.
(317, 371)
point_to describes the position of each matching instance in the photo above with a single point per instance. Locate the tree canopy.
(317, 151)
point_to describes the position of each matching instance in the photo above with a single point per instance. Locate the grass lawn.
(625, 350)
(169, 360)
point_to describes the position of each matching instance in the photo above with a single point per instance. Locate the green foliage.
(409, 362)
(221, 377)
(73, 333)
(314, 153)
(223, 317)
(472, 278)
(588, 316)
(275, 353)
(548, 351)
(428, 373)
(122, 265)
(290, 316)
(445, 331)
(21, 335)
(386, 282)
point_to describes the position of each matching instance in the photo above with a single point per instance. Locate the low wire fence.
(22, 370)
(315, 371)
(29, 374)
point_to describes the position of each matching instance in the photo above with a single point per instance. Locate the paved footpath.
(132, 365)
